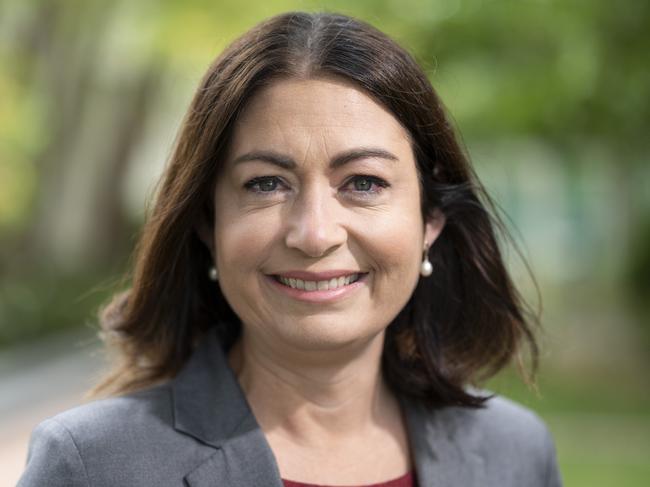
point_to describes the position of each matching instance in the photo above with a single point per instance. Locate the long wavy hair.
(461, 325)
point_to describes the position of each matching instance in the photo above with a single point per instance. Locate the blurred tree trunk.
(96, 114)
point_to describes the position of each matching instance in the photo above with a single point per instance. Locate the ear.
(434, 226)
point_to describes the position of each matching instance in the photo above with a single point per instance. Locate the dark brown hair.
(462, 324)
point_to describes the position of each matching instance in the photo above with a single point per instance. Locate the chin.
(317, 335)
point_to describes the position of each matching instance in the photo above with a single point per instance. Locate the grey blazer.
(198, 430)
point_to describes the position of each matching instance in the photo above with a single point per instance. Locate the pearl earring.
(426, 268)
(213, 274)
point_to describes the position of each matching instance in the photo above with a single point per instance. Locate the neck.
(316, 396)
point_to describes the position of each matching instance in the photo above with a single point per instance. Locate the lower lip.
(321, 296)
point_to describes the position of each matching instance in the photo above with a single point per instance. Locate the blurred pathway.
(36, 382)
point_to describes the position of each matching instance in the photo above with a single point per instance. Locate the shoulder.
(512, 441)
(112, 441)
(502, 419)
(502, 443)
(112, 416)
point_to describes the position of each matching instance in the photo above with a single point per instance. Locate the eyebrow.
(339, 160)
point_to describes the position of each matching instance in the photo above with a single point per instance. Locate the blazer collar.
(444, 448)
(207, 400)
(209, 405)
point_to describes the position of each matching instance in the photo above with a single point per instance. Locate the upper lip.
(317, 276)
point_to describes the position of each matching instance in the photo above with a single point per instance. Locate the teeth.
(319, 285)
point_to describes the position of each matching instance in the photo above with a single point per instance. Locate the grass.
(602, 450)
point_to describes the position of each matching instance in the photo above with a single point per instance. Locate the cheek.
(394, 245)
(242, 246)
(240, 237)
(242, 243)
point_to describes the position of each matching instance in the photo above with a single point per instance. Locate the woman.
(315, 289)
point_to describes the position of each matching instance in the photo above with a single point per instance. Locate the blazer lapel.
(242, 462)
(443, 456)
(210, 406)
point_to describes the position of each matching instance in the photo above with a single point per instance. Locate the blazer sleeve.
(552, 474)
(53, 458)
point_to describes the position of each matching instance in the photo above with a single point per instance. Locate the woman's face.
(318, 233)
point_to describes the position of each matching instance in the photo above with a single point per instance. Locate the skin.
(311, 371)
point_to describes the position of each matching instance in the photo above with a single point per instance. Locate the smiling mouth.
(325, 285)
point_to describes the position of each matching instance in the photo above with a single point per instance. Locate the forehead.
(316, 108)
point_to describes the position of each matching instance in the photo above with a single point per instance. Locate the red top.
(407, 480)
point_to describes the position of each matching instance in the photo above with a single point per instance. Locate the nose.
(314, 224)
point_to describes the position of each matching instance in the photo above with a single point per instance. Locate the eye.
(263, 184)
(367, 184)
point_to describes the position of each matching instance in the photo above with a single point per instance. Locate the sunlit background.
(553, 102)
